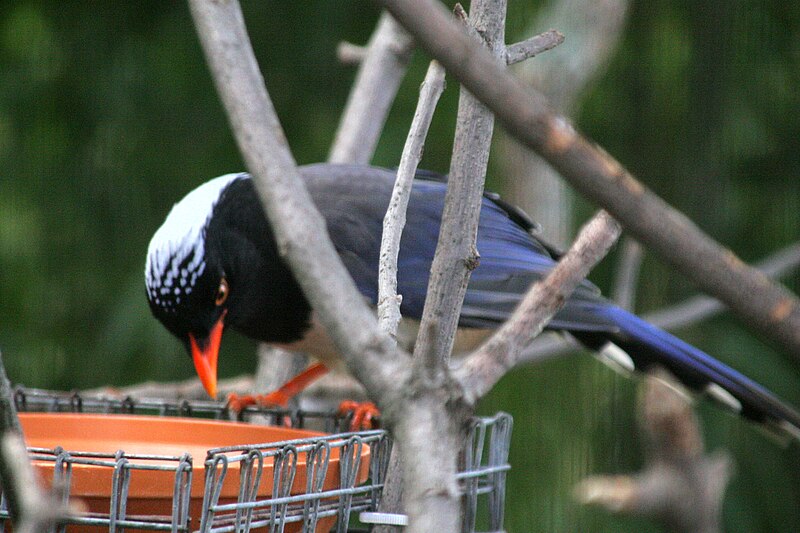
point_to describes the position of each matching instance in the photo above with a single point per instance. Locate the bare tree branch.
(679, 486)
(31, 509)
(10, 427)
(395, 219)
(417, 404)
(767, 307)
(289, 208)
(422, 403)
(456, 254)
(563, 76)
(624, 290)
(393, 224)
(350, 54)
(484, 367)
(690, 311)
(275, 368)
(378, 79)
(533, 46)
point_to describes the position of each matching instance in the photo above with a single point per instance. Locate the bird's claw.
(364, 415)
(275, 399)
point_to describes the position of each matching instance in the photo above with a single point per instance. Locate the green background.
(108, 116)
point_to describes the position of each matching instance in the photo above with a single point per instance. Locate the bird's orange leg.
(281, 396)
(364, 414)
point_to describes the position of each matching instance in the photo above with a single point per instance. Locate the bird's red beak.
(205, 354)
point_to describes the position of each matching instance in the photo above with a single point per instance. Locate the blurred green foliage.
(108, 116)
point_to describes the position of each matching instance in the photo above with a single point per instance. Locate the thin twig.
(484, 367)
(533, 46)
(393, 223)
(766, 307)
(624, 289)
(377, 81)
(350, 54)
(698, 308)
(395, 219)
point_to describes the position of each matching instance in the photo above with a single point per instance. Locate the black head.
(185, 282)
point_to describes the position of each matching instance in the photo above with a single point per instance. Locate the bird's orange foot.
(364, 415)
(236, 404)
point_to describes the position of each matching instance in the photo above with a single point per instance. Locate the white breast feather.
(180, 236)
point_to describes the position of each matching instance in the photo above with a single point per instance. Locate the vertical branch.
(456, 254)
(378, 79)
(395, 219)
(393, 223)
(429, 433)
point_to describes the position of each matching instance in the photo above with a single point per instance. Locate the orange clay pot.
(151, 491)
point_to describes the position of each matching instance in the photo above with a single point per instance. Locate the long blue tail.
(646, 345)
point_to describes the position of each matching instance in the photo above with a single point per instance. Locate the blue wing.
(353, 200)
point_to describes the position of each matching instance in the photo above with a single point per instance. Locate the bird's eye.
(222, 292)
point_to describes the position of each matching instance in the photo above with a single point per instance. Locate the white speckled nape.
(181, 238)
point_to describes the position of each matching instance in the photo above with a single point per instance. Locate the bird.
(214, 265)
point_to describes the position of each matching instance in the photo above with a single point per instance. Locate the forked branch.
(767, 307)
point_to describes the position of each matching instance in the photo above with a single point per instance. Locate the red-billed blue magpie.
(214, 264)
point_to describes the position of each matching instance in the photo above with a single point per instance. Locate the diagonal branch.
(395, 219)
(416, 405)
(690, 311)
(299, 228)
(767, 307)
(484, 367)
(533, 46)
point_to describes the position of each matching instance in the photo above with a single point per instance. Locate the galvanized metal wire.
(270, 496)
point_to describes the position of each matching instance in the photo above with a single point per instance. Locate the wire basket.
(318, 484)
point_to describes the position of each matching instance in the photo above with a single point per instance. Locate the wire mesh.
(121, 470)
(320, 496)
(316, 484)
